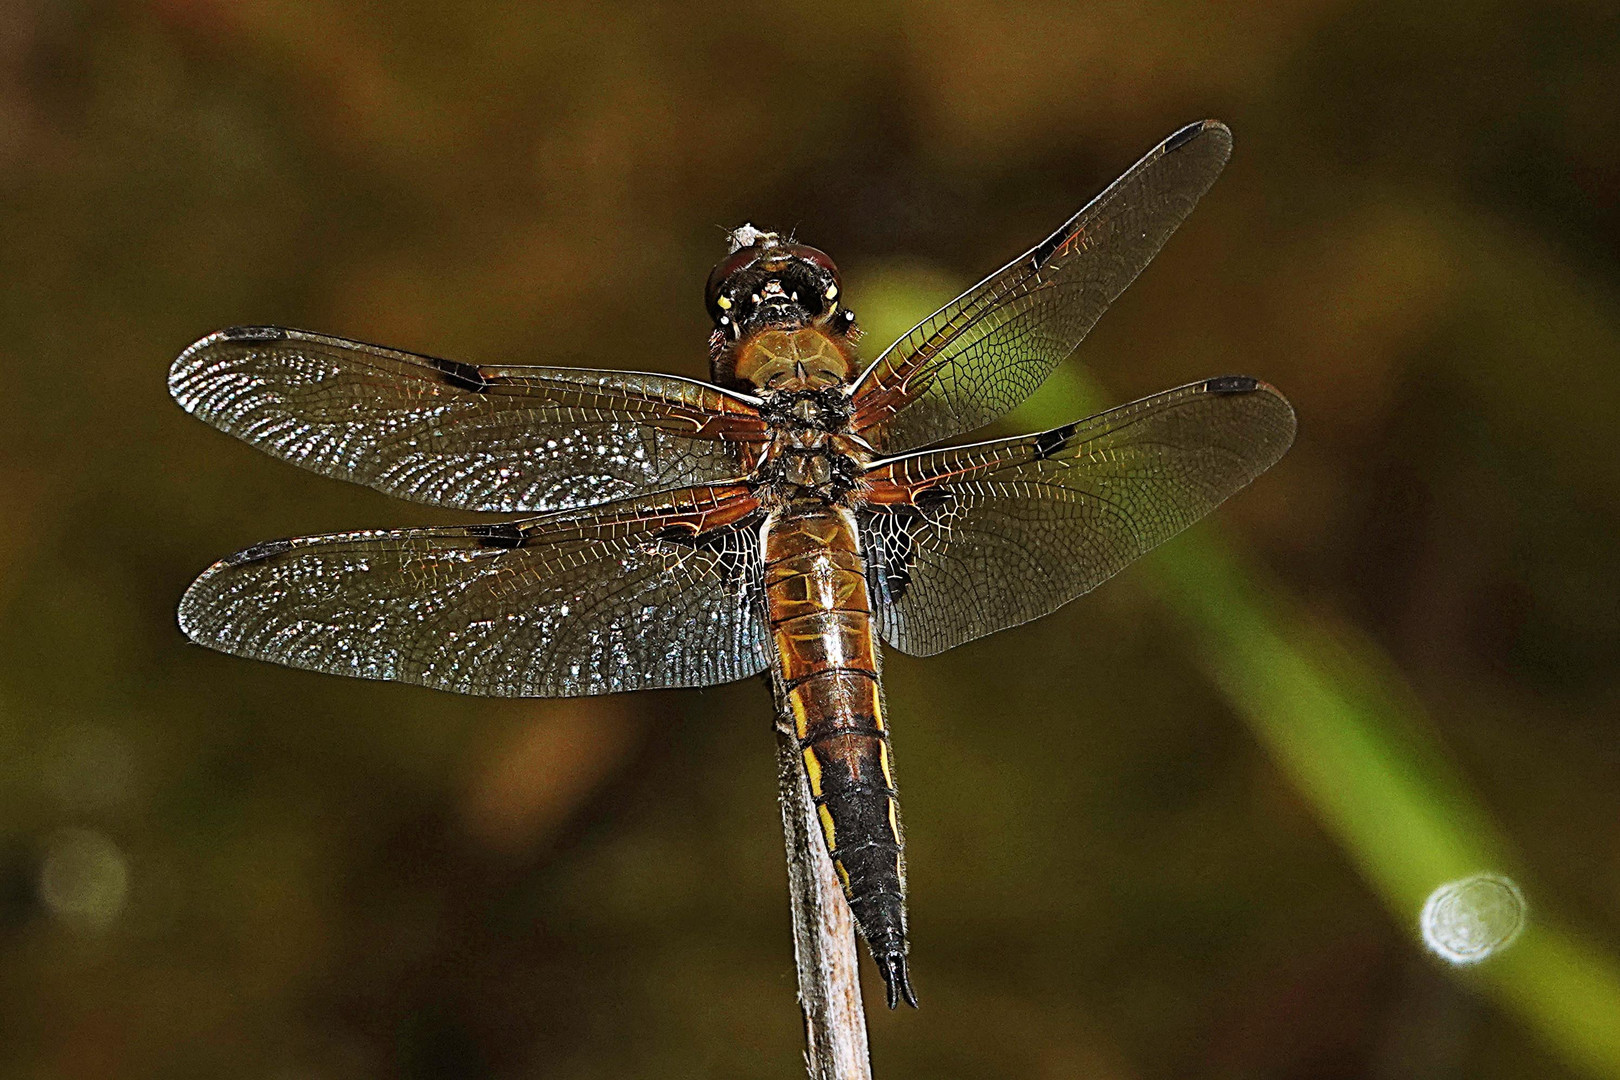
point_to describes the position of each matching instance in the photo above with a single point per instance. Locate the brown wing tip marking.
(269, 549)
(252, 333)
(194, 362)
(1232, 384)
(1191, 132)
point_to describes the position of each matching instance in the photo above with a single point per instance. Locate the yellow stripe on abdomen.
(826, 677)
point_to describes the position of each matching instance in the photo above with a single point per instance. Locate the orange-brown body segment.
(826, 662)
(781, 333)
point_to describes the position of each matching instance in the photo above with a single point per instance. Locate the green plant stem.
(1340, 721)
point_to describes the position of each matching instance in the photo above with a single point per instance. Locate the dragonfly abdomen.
(821, 621)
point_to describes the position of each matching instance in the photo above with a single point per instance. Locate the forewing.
(984, 352)
(507, 439)
(963, 542)
(646, 593)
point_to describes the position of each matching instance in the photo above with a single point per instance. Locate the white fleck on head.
(745, 235)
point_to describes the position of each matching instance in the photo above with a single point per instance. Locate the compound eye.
(816, 256)
(814, 259)
(723, 272)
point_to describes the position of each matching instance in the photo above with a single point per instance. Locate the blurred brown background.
(210, 867)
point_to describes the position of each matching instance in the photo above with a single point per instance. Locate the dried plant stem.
(823, 934)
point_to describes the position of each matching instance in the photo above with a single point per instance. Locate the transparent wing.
(984, 352)
(963, 542)
(645, 593)
(507, 439)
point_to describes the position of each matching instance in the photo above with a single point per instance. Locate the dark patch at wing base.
(889, 550)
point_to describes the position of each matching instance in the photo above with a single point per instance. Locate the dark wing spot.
(891, 551)
(930, 499)
(503, 535)
(712, 540)
(463, 376)
(684, 535)
(259, 552)
(1048, 443)
(1183, 137)
(1050, 245)
(253, 333)
(895, 578)
(1232, 384)
(727, 550)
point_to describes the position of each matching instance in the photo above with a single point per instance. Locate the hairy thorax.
(801, 375)
(802, 358)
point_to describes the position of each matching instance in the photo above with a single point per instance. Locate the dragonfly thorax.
(807, 465)
(810, 453)
(826, 409)
(787, 358)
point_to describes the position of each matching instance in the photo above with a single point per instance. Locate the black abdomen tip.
(1232, 384)
(892, 966)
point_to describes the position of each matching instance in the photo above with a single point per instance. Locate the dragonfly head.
(770, 282)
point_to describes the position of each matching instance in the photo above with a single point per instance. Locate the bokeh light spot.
(1468, 920)
(84, 879)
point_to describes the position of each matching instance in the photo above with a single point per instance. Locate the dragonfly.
(781, 518)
